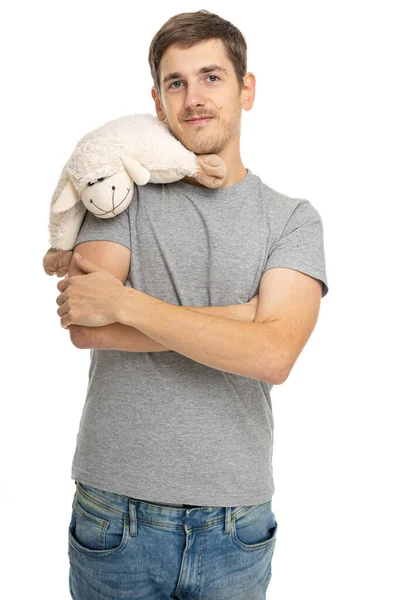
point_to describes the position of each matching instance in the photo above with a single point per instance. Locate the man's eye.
(214, 76)
(180, 81)
(100, 179)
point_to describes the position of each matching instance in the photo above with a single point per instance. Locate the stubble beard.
(200, 142)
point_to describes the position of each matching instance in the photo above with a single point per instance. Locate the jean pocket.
(96, 532)
(255, 529)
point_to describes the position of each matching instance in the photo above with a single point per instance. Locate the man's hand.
(92, 299)
(57, 261)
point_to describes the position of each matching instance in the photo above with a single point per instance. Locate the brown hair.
(189, 28)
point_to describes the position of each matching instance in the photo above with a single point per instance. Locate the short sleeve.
(115, 229)
(301, 245)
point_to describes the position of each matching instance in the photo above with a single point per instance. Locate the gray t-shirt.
(159, 426)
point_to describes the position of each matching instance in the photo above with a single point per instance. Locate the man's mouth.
(200, 121)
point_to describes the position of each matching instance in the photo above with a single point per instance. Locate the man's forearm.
(118, 336)
(251, 349)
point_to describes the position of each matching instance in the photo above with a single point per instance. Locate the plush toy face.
(108, 196)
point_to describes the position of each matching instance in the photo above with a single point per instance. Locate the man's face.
(188, 93)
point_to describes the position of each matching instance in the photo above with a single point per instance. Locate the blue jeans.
(122, 547)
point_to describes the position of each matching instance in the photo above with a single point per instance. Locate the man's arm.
(265, 349)
(118, 336)
(116, 258)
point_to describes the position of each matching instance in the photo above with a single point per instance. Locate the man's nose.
(194, 97)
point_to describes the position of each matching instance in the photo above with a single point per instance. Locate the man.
(173, 463)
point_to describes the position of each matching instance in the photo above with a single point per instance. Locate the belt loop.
(132, 517)
(228, 519)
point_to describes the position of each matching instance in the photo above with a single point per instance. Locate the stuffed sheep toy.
(100, 173)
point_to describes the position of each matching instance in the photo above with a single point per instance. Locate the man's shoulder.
(277, 200)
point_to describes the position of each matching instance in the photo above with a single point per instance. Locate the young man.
(173, 463)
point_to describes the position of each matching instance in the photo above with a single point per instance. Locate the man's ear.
(249, 91)
(158, 105)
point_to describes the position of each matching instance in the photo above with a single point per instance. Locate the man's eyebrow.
(206, 69)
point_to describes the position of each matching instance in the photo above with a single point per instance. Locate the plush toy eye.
(93, 182)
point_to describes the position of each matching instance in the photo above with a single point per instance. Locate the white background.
(324, 126)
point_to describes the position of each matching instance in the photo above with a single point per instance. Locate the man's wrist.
(132, 305)
(121, 306)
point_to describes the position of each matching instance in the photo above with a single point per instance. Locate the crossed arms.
(259, 341)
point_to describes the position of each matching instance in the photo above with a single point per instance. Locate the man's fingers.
(62, 285)
(61, 299)
(65, 321)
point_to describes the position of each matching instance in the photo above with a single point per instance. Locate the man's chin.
(199, 147)
(196, 146)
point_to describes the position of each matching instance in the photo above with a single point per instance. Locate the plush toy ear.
(66, 200)
(139, 174)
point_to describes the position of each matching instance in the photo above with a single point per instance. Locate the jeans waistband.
(133, 509)
(170, 504)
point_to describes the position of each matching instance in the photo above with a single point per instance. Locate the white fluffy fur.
(142, 137)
